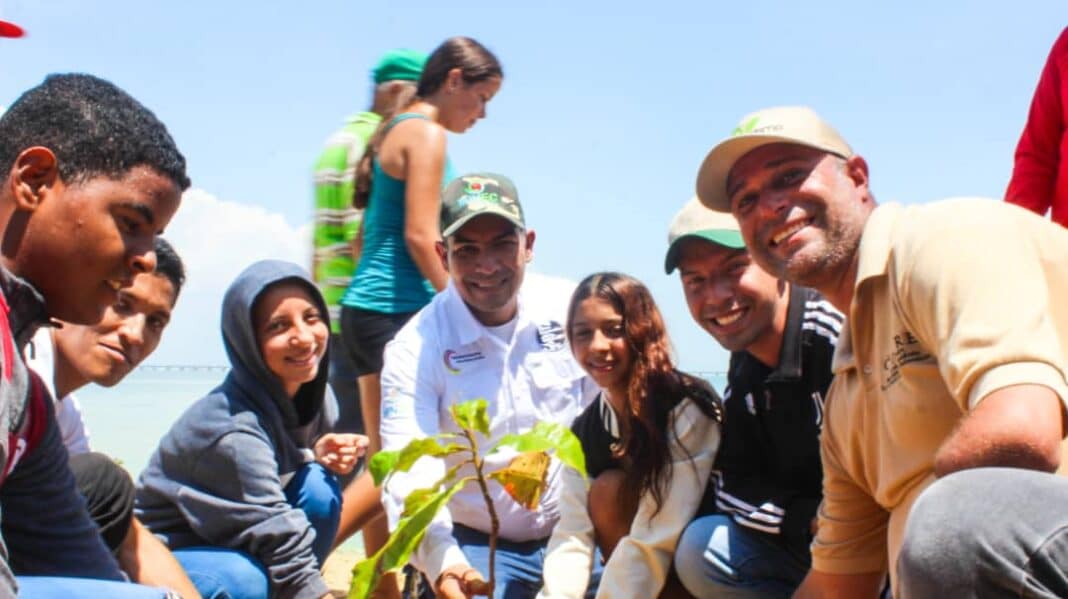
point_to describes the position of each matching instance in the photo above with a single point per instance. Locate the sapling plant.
(523, 479)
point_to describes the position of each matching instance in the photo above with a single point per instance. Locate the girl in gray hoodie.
(243, 487)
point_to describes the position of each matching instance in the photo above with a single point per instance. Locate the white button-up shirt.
(444, 356)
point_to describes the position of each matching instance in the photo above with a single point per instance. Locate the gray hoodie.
(218, 477)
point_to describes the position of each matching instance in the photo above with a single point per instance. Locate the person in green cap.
(399, 182)
(337, 222)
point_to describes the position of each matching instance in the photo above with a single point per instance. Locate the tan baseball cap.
(696, 221)
(789, 124)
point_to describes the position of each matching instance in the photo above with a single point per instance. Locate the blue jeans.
(717, 557)
(220, 573)
(47, 587)
(518, 565)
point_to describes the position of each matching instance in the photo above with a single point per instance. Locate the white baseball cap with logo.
(695, 221)
(781, 124)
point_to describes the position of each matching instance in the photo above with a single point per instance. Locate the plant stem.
(495, 524)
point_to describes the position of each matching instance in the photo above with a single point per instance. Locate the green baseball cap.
(399, 65)
(476, 194)
(696, 221)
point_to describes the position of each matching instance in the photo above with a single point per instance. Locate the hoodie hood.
(249, 372)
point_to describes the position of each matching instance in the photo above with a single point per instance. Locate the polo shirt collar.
(468, 328)
(873, 260)
(875, 243)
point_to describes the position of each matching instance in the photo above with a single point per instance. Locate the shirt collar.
(468, 328)
(789, 366)
(608, 416)
(27, 306)
(875, 243)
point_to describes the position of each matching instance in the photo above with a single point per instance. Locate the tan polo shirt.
(953, 300)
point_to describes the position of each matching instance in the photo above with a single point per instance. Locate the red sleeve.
(1038, 153)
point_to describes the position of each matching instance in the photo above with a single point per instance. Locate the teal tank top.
(387, 279)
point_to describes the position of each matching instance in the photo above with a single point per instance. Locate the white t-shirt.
(40, 357)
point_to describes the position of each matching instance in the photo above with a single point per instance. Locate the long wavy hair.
(654, 385)
(475, 62)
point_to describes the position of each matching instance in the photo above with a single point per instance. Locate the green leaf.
(418, 499)
(400, 545)
(382, 464)
(549, 435)
(524, 478)
(471, 415)
(404, 459)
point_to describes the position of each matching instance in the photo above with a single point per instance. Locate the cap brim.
(712, 178)
(11, 30)
(723, 237)
(463, 220)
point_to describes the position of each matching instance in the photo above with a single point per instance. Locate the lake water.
(127, 421)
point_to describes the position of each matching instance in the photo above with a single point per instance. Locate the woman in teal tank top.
(399, 182)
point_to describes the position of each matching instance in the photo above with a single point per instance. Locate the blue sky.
(606, 111)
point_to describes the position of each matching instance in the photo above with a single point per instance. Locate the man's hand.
(460, 582)
(338, 452)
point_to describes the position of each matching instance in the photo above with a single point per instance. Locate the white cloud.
(217, 239)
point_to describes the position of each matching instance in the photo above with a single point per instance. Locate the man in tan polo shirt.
(949, 375)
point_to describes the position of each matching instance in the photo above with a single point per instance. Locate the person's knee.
(108, 491)
(696, 572)
(247, 579)
(607, 511)
(945, 526)
(320, 495)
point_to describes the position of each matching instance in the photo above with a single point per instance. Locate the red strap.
(7, 340)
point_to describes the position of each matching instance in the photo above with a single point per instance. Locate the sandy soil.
(338, 570)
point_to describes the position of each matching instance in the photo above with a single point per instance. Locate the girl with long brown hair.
(650, 441)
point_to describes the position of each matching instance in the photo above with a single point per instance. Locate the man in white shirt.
(67, 357)
(494, 335)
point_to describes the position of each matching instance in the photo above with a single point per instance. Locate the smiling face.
(486, 259)
(599, 342)
(801, 211)
(79, 243)
(291, 334)
(128, 333)
(732, 298)
(465, 103)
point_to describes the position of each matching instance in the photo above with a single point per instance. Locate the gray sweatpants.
(987, 532)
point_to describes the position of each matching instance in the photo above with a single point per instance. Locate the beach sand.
(338, 569)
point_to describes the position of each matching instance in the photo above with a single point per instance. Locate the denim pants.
(220, 573)
(518, 564)
(57, 587)
(987, 532)
(717, 557)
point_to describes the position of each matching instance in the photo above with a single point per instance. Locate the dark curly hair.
(169, 265)
(654, 387)
(93, 127)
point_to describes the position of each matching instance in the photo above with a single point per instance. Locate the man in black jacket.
(768, 476)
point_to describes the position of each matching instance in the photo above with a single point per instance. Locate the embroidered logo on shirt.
(551, 336)
(907, 349)
(453, 359)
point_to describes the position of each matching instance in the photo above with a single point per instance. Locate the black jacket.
(768, 475)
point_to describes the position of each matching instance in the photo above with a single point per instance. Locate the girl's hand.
(338, 452)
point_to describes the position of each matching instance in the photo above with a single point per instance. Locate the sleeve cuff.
(1018, 373)
(443, 555)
